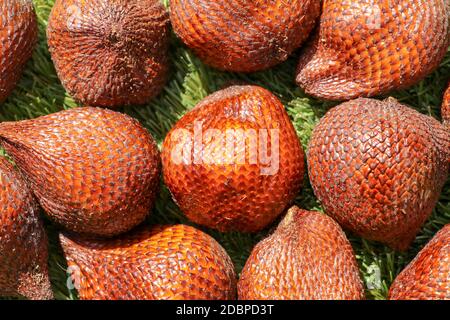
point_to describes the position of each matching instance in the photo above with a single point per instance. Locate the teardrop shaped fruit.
(23, 242)
(446, 107)
(243, 36)
(366, 48)
(427, 277)
(18, 36)
(110, 53)
(308, 257)
(161, 263)
(94, 171)
(234, 163)
(378, 168)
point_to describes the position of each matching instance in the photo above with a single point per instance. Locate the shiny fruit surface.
(234, 162)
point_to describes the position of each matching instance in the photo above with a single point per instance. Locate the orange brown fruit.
(378, 167)
(234, 163)
(161, 263)
(94, 171)
(243, 36)
(110, 53)
(308, 257)
(18, 36)
(446, 106)
(23, 242)
(366, 48)
(427, 277)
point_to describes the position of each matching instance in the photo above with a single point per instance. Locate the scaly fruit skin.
(110, 53)
(243, 36)
(161, 263)
(378, 168)
(23, 242)
(446, 107)
(234, 189)
(307, 258)
(94, 171)
(445, 111)
(18, 36)
(366, 48)
(427, 277)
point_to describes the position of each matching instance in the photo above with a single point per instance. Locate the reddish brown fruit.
(23, 242)
(161, 263)
(18, 36)
(378, 168)
(427, 277)
(307, 258)
(234, 163)
(366, 48)
(446, 111)
(110, 53)
(94, 171)
(446, 107)
(243, 36)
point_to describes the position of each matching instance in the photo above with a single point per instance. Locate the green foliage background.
(40, 93)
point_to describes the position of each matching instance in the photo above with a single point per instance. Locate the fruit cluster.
(234, 162)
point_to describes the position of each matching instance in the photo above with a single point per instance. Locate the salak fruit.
(446, 107)
(243, 36)
(93, 170)
(308, 257)
(158, 263)
(427, 277)
(378, 168)
(365, 48)
(23, 242)
(234, 163)
(18, 36)
(110, 53)
(445, 112)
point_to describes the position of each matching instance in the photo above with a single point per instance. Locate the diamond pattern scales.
(229, 195)
(94, 171)
(18, 36)
(308, 257)
(23, 242)
(366, 48)
(162, 263)
(241, 35)
(378, 168)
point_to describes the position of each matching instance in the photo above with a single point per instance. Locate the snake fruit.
(158, 263)
(243, 36)
(23, 242)
(427, 277)
(93, 170)
(308, 257)
(378, 168)
(234, 163)
(110, 53)
(366, 48)
(18, 37)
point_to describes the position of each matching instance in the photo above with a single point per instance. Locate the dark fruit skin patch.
(151, 263)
